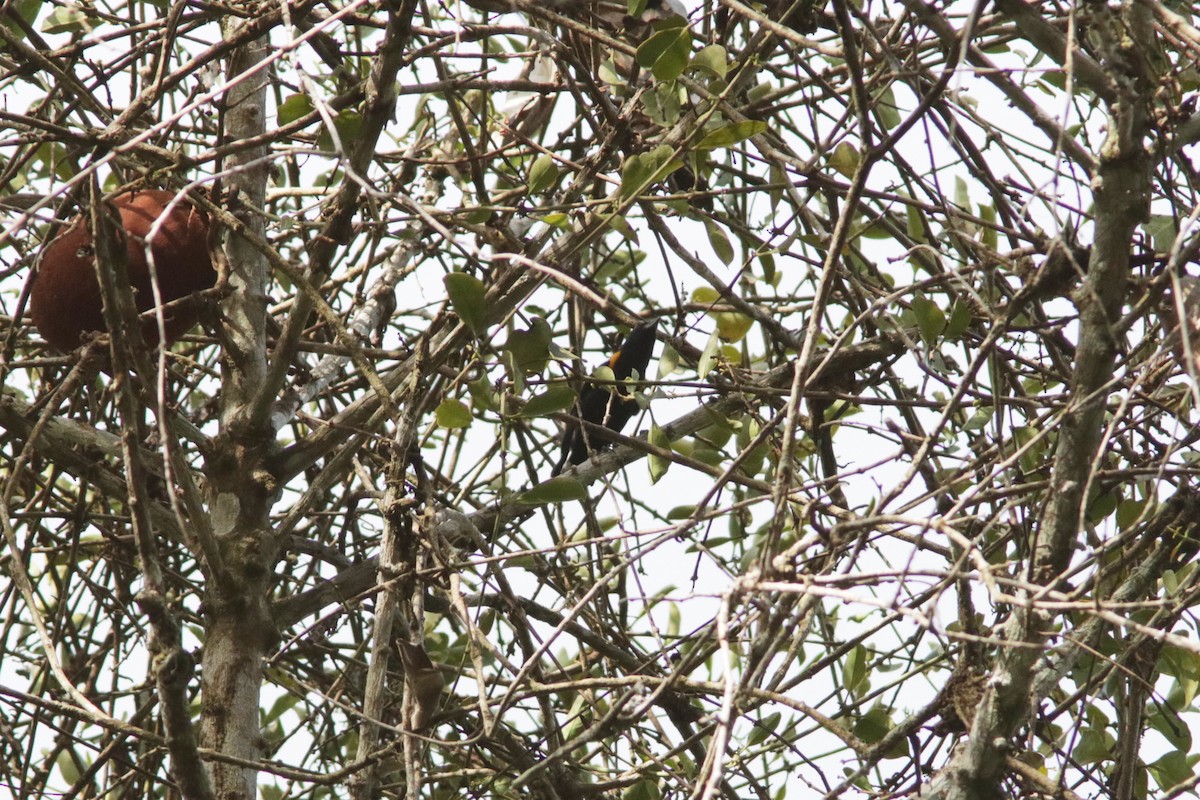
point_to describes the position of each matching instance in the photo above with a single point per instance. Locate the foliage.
(910, 506)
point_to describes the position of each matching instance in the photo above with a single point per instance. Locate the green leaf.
(845, 158)
(530, 348)
(1103, 505)
(67, 19)
(1031, 458)
(1170, 581)
(916, 223)
(674, 619)
(770, 275)
(646, 169)
(348, 124)
(763, 728)
(562, 489)
(1165, 719)
(719, 241)
(67, 766)
(873, 228)
(1179, 663)
(483, 394)
(1094, 745)
(556, 219)
(709, 357)
(872, 726)
(476, 215)
(22, 10)
(542, 174)
(731, 134)
(732, 326)
(558, 397)
(962, 194)
(876, 724)
(284, 703)
(293, 108)
(989, 237)
(960, 319)
(658, 465)
(1129, 512)
(666, 52)
(467, 297)
(886, 108)
(1054, 78)
(1172, 769)
(516, 375)
(752, 459)
(712, 59)
(931, 321)
(663, 103)
(609, 75)
(778, 179)
(669, 362)
(856, 671)
(1163, 231)
(718, 432)
(643, 789)
(980, 419)
(619, 224)
(453, 414)
(577, 716)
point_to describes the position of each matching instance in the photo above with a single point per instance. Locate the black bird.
(610, 406)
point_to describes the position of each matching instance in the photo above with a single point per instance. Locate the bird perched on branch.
(66, 301)
(609, 405)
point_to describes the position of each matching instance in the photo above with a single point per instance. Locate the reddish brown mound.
(66, 302)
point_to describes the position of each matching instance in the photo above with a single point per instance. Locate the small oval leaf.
(845, 159)
(733, 326)
(712, 59)
(709, 357)
(293, 108)
(732, 134)
(666, 52)
(530, 348)
(658, 465)
(931, 320)
(468, 298)
(719, 241)
(453, 414)
(562, 489)
(646, 169)
(542, 173)
(559, 397)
